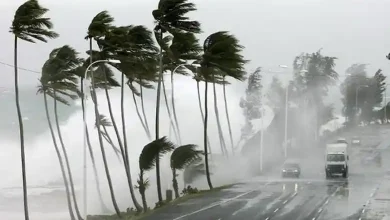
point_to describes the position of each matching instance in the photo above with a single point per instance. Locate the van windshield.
(335, 157)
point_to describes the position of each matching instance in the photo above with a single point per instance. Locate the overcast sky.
(273, 32)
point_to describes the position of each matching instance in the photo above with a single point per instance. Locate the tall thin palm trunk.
(206, 117)
(70, 209)
(201, 113)
(140, 116)
(121, 147)
(97, 116)
(227, 116)
(174, 108)
(21, 131)
(102, 205)
(143, 109)
(71, 183)
(118, 137)
(169, 113)
(160, 78)
(111, 143)
(135, 202)
(220, 133)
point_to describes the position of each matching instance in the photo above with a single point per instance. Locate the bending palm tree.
(147, 161)
(181, 157)
(28, 25)
(169, 17)
(221, 54)
(98, 28)
(63, 84)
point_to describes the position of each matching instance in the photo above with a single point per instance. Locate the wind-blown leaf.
(153, 150)
(184, 155)
(222, 55)
(100, 25)
(30, 25)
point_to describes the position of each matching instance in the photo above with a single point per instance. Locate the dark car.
(291, 169)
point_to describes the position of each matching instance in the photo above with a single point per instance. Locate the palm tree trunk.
(227, 116)
(102, 205)
(174, 183)
(221, 138)
(70, 209)
(97, 116)
(110, 142)
(206, 117)
(21, 132)
(140, 117)
(169, 113)
(76, 207)
(143, 110)
(114, 123)
(135, 202)
(174, 108)
(142, 189)
(201, 113)
(122, 149)
(160, 77)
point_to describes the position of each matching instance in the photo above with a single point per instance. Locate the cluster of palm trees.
(144, 57)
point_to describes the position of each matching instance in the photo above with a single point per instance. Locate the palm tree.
(28, 25)
(54, 72)
(221, 55)
(181, 157)
(170, 16)
(62, 84)
(98, 28)
(148, 160)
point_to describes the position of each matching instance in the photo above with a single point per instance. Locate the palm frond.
(156, 148)
(184, 155)
(171, 16)
(100, 25)
(222, 52)
(58, 77)
(30, 25)
(104, 121)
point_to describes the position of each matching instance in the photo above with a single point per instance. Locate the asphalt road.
(270, 197)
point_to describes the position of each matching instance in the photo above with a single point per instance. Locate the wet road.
(311, 197)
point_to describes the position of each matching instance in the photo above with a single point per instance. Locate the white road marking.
(267, 218)
(320, 210)
(276, 210)
(285, 202)
(220, 203)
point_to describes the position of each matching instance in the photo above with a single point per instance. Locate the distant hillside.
(33, 112)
